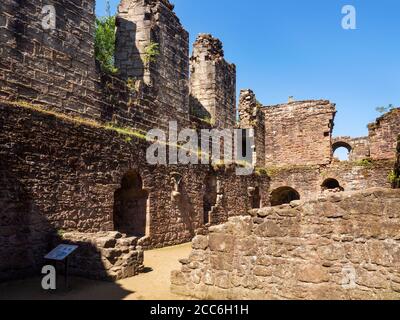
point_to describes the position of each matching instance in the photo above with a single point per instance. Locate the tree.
(105, 41)
(385, 109)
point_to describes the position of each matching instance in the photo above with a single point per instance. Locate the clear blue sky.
(298, 48)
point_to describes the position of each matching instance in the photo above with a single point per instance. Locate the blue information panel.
(61, 252)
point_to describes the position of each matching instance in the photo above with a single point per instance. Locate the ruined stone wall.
(352, 176)
(104, 256)
(212, 83)
(299, 133)
(57, 68)
(62, 173)
(252, 117)
(340, 247)
(359, 147)
(383, 135)
(51, 67)
(396, 183)
(141, 23)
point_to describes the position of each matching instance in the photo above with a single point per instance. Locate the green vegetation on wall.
(105, 43)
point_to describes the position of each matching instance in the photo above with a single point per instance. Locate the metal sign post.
(61, 254)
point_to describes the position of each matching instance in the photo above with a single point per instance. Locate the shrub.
(151, 53)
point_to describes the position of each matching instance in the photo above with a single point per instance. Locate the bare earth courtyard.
(154, 284)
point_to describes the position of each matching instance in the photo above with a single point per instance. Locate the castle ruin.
(73, 161)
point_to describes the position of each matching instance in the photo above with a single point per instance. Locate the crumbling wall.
(341, 247)
(141, 23)
(351, 176)
(104, 256)
(212, 83)
(383, 135)
(299, 133)
(252, 117)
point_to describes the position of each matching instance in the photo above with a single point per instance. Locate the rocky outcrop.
(341, 246)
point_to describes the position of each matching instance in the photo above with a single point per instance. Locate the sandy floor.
(152, 285)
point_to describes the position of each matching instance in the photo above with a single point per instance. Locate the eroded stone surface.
(315, 254)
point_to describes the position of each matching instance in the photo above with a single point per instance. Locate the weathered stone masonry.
(140, 23)
(299, 133)
(343, 246)
(383, 135)
(212, 83)
(66, 174)
(69, 170)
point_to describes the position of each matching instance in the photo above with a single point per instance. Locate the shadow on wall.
(127, 54)
(121, 90)
(26, 236)
(197, 109)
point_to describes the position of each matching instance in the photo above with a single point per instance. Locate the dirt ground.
(154, 284)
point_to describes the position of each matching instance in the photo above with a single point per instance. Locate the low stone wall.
(343, 246)
(105, 255)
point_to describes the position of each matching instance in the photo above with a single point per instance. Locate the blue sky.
(298, 48)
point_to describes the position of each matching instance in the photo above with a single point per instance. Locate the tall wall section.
(299, 133)
(340, 247)
(252, 117)
(141, 23)
(212, 83)
(383, 135)
(50, 67)
(396, 182)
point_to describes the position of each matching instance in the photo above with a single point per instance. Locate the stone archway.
(283, 195)
(130, 206)
(342, 145)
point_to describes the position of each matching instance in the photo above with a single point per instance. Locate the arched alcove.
(130, 206)
(283, 195)
(331, 184)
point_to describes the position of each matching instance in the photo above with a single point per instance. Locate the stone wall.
(339, 247)
(252, 117)
(65, 172)
(56, 67)
(299, 133)
(104, 256)
(383, 135)
(212, 83)
(351, 176)
(396, 183)
(141, 23)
